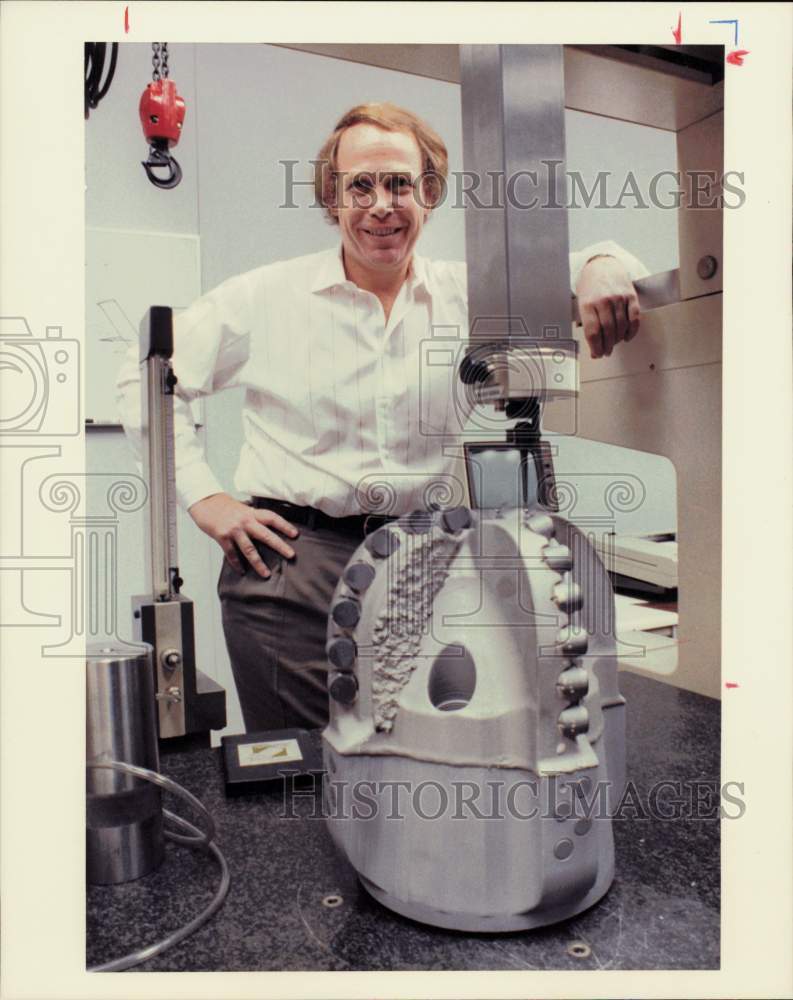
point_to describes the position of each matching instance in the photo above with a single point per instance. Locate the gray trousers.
(275, 630)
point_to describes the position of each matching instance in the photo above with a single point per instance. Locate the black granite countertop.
(662, 912)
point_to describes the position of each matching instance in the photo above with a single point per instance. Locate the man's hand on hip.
(607, 304)
(235, 525)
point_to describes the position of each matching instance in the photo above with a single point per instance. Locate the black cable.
(94, 64)
(110, 73)
(94, 61)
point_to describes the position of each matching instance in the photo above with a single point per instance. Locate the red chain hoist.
(161, 115)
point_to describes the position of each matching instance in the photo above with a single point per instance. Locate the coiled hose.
(195, 837)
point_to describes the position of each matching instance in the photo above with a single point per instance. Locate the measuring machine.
(189, 702)
(473, 670)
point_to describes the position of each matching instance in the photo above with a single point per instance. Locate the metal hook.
(158, 159)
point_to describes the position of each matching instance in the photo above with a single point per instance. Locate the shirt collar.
(330, 273)
(420, 273)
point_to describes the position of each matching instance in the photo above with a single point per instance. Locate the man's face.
(379, 208)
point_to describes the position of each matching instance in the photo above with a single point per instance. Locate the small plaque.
(255, 762)
(268, 752)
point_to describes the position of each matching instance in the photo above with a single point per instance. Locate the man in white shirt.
(339, 412)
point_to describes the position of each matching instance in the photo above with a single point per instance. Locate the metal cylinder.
(124, 823)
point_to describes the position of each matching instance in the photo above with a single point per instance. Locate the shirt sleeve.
(579, 258)
(211, 346)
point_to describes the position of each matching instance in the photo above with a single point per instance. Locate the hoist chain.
(159, 60)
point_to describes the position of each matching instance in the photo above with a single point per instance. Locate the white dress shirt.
(343, 410)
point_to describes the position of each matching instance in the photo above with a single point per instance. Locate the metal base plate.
(497, 923)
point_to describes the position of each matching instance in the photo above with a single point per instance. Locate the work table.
(662, 912)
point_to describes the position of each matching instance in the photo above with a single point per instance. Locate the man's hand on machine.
(235, 525)
(607, 304)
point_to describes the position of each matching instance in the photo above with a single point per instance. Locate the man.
(328, 346)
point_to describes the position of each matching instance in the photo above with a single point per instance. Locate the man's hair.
(391, 118)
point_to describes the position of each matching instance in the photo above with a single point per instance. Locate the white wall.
(249, 106)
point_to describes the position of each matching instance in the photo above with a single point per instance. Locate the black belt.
(358, 525)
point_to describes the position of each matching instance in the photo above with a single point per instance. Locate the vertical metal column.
(189, 701)
(516, 215)
(158, 450)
